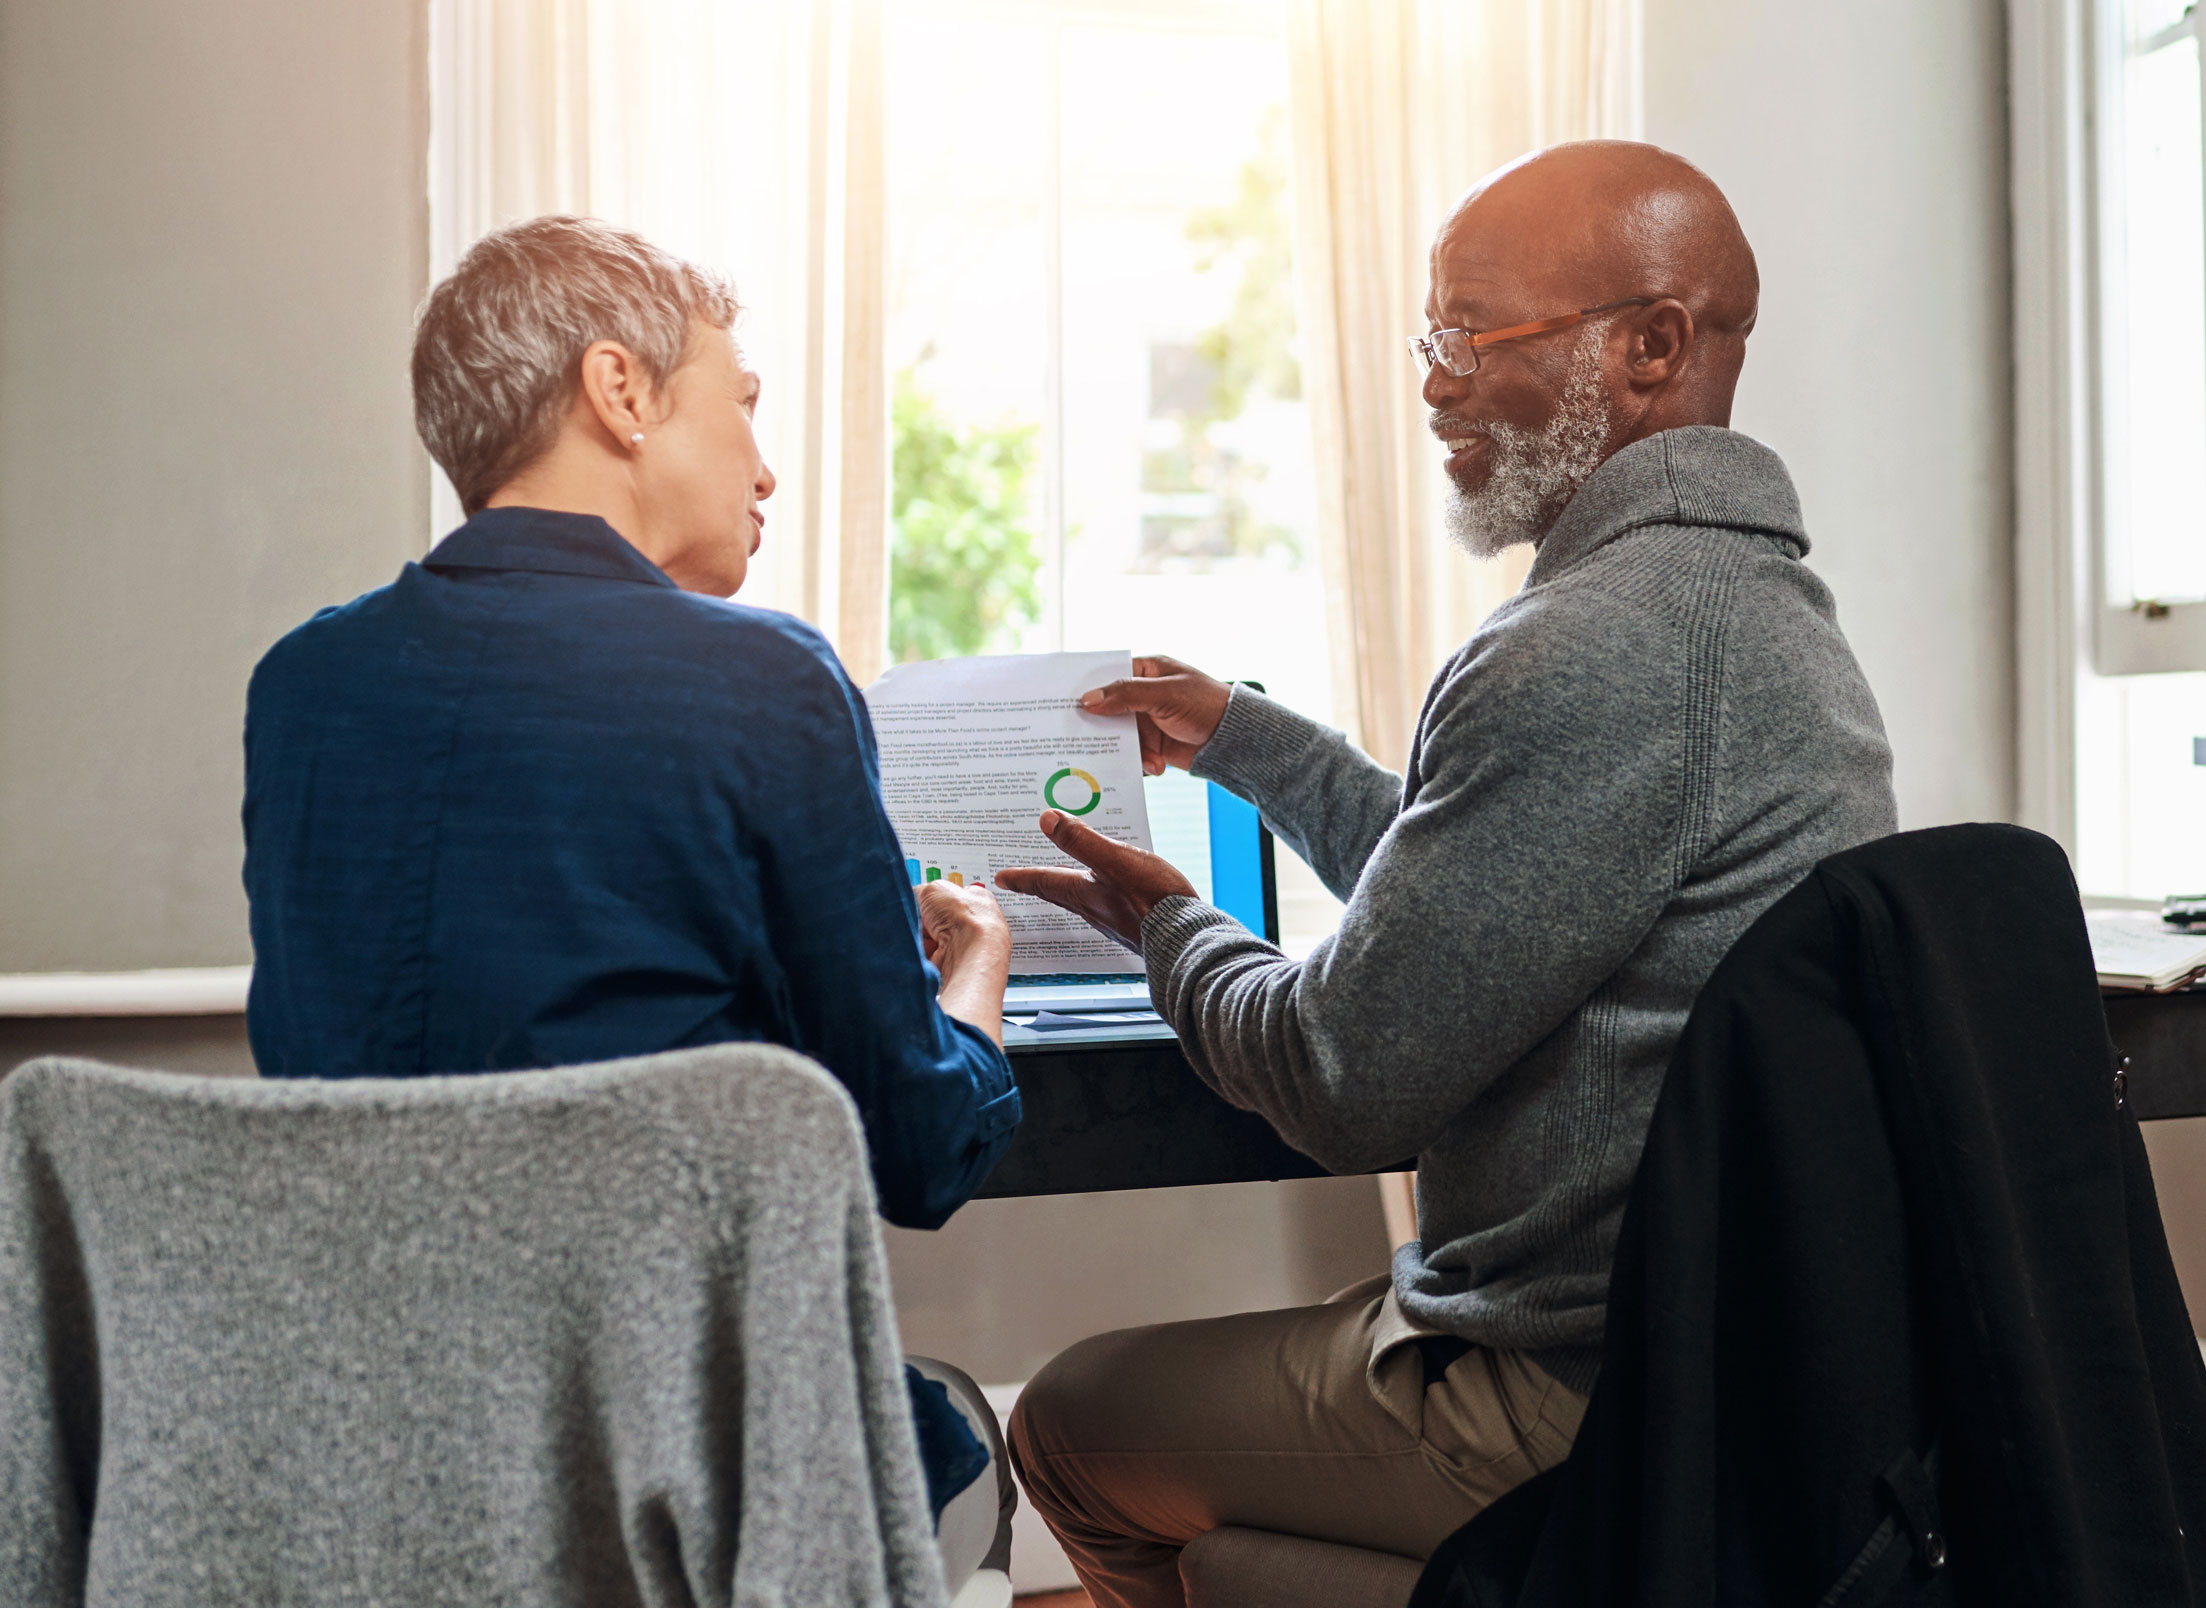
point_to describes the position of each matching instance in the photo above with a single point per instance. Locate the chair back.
(617, 1334)
(1892, 1317)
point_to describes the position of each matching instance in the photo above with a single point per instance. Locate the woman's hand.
(965, 935)
(1178, 708)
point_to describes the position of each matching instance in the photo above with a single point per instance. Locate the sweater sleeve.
(1541, 844)
(1330, 801)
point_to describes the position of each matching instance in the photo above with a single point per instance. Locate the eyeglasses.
(1456, 350)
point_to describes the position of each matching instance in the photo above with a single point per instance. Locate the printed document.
(972, 750)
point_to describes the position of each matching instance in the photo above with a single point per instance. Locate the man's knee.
(1074, 1389)
(1070, 1407)
(1035, 1418)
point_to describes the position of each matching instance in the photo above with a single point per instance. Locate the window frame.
(2068, 630)
(2130, 636)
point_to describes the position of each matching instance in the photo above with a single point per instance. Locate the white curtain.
(743, 134)
(1395, 107)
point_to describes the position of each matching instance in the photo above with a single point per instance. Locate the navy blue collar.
(546, 542)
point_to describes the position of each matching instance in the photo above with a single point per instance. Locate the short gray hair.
(498, 346)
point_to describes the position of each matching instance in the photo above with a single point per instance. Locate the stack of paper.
(2135, 949)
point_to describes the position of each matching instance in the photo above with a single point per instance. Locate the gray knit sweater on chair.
(614, 1335)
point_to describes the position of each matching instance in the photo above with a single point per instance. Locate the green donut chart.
(1095, 791)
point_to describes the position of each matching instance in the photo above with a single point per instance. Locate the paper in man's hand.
(973, 750)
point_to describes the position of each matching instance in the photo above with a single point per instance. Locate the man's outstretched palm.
(1114, 895)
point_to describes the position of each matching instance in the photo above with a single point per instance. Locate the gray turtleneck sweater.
(1627, 763)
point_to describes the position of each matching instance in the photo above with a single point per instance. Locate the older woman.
(549, 797)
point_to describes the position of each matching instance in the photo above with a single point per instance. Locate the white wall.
(1864, 145)
(212, 237)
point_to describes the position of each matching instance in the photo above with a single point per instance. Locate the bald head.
(1598, 220)
(1581, 226)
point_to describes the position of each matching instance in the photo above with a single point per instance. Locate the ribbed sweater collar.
(1698, 475)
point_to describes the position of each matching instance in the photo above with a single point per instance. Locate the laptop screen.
(1217, 840)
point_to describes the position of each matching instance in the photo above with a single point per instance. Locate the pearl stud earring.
(637, 438)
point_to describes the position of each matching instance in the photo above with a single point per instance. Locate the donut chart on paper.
(1072, 773)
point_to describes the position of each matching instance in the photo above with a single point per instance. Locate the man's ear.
(1662, 341)
(618, 390)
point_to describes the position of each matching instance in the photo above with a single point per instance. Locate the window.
(2141, 705)
(1083, 321)
(2153, 330)
(1098, 432)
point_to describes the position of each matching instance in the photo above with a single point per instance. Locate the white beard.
(1533, 474)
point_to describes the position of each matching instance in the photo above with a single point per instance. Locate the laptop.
(1221, 845)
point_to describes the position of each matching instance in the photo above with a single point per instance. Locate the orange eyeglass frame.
(1435, 348)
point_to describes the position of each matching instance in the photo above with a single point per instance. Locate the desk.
(1129, 1116)
(2164, 1036)
(1135, 1116)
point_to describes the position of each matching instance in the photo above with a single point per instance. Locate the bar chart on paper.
(920, 871)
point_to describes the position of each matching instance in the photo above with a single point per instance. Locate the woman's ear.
(618, 391)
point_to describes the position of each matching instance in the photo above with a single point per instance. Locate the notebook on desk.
(2135, 951)
(1220, 844)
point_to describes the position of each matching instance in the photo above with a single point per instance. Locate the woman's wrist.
(973, 981)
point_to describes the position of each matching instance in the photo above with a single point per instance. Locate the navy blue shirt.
(532, 805)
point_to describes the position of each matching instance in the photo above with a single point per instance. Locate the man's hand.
(965, 935)
(1119, 888)
(1177, 706)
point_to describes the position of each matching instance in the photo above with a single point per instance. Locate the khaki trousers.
(1315, 1421)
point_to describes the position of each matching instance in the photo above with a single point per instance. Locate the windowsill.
(177, 991)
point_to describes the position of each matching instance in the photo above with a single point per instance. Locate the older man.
(1624, 766)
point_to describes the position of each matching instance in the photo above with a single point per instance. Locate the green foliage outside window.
(964, 566)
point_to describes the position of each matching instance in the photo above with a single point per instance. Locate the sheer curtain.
(747, 135)
(1395, 107)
